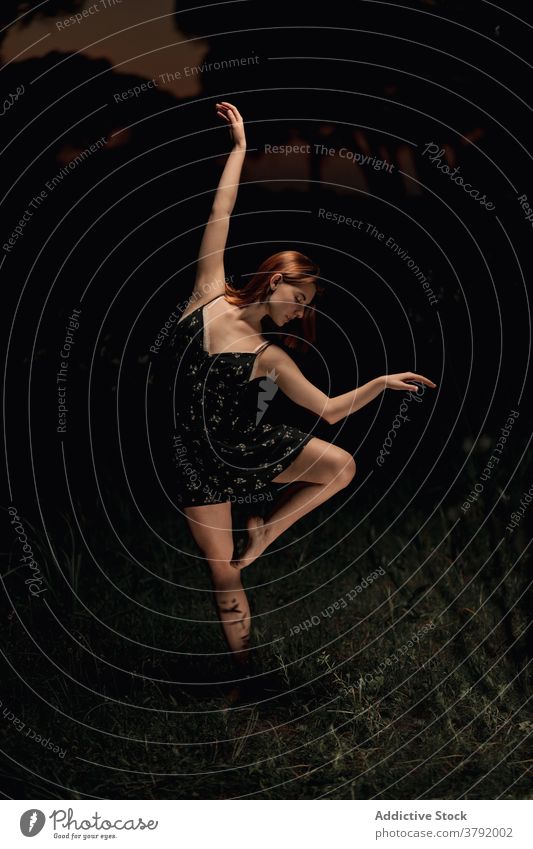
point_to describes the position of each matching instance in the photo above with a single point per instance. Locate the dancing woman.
(220, 361)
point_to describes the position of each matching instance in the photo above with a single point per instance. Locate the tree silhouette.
(23, 13)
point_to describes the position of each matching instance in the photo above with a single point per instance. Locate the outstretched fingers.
(420, 377)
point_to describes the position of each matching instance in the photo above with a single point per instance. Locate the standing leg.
(211, 528)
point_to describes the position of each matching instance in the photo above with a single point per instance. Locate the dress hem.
(231, 498)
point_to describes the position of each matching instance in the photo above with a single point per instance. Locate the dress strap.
(208, 303)
(200, 307)
(214, 299)
(261, 347)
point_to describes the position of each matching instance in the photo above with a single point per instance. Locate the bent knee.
(337, 467)
(325, 463)
(346, 468)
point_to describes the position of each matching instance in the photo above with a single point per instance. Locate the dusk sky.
(132, 28)
(142, 39)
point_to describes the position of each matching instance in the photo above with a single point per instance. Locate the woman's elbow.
(329, 413)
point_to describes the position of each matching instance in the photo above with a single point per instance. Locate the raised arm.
(284, 371)
(210, 272)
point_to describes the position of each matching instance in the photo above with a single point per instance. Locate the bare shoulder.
(275, 355)
(272, 358)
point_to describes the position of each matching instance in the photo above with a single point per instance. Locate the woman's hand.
(398, 381)
(231, 115)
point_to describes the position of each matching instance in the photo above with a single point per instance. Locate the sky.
(142, 39)
(116, 32)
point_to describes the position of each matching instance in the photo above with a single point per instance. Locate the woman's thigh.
(211, 528)
(318, 462)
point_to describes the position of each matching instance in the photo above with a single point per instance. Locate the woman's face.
(288, 301)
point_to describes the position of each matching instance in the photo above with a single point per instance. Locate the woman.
(221, 368)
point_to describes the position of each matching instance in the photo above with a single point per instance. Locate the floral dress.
(221, 449)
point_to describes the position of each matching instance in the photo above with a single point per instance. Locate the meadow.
(415, 686)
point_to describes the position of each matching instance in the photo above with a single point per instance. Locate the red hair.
(296, 269)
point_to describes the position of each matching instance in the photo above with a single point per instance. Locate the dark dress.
(221, 449)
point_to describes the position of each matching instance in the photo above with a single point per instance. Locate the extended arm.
(210, 273)
(284, 371)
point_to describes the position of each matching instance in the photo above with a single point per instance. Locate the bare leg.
(211, 527)
(233, 612)
(324, 469)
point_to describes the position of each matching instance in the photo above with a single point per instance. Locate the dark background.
(130, 219)
(122, 231)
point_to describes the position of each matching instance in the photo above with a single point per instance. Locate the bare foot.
(257, 542)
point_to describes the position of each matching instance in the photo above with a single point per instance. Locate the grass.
(366, 711)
